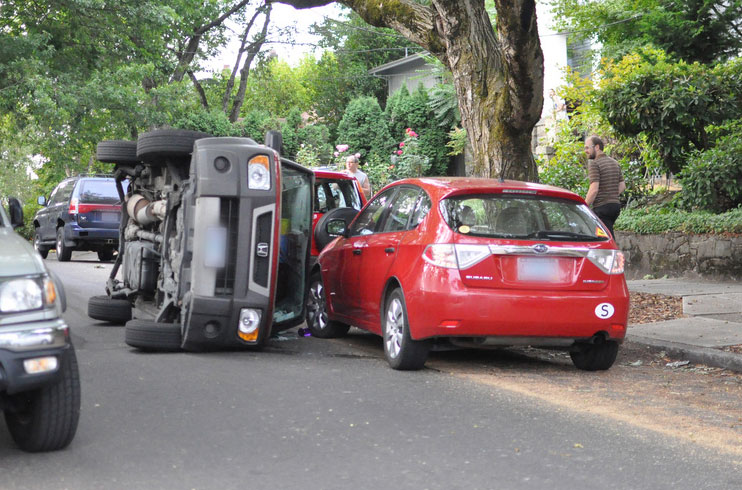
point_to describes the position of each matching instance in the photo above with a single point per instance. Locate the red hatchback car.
(475, 263)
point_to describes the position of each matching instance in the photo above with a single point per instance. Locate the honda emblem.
(262, 250)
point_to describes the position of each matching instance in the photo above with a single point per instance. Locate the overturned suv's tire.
(109, 309)
(152, 336)
(167, 144)
(117, 151)
(321, 237)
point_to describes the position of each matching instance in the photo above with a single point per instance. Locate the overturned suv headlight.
(258, 173)
(26, 294)
(249, 323)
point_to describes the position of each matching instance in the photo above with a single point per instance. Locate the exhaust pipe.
(144, 212)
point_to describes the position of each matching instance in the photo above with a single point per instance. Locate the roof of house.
(394, 66)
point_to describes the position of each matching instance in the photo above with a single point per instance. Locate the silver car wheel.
(394, 327)
(316, 306)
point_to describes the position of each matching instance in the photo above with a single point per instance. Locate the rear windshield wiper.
(564, 235)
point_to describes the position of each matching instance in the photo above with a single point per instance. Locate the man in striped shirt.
(606, 183)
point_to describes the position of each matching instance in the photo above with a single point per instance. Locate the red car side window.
(369, 218)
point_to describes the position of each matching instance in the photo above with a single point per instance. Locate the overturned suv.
(39, 380)
(213, 243)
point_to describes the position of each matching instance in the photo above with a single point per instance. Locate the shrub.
(213, 122)
(255, 124)
(712, 179)
(662, 219)
(409, 160)
(413, 110)
(364, 128)
(379, 170)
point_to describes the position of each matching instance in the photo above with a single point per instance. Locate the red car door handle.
(389, 250)
(357, 251)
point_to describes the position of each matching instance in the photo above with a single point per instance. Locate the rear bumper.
(544, 317)
(99, 236)
(39, 339)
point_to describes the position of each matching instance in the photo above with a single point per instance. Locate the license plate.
(109, 217)
(538, 269)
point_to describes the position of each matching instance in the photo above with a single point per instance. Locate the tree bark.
(498, 76)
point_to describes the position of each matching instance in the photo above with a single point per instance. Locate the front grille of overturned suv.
(229, 217)
(263, 236)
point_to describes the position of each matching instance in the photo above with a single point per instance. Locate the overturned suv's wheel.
(46, 419)
(109, 309)
(117, 151)
(147, 335)
(167, 144)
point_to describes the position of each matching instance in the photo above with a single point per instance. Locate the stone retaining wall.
(681, 255)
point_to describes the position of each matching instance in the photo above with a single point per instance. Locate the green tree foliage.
(75, 72)
(692, 30)
(568, 167)
(279, 88)
(364, 129)
(671, 103)
(358, 47)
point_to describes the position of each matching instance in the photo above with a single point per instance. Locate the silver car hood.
(17, 256)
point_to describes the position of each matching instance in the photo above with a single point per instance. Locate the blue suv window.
(99, 191)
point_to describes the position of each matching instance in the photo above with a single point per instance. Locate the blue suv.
(82, 213)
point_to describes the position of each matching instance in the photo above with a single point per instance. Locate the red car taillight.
(453, 256)
(609, 261)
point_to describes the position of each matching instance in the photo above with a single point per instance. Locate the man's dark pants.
(608, 213)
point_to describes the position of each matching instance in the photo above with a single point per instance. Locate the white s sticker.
(604, 310)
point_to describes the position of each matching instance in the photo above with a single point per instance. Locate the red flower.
(399, 152)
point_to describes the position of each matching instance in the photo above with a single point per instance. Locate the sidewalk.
(713, 321)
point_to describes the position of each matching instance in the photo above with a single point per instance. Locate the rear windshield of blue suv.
(99, 191)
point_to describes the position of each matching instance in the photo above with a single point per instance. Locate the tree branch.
(199, 89)
(201, 30)
(236, 68)
(411, 19)
(253, 50)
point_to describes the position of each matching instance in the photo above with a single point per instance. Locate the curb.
(694, 354)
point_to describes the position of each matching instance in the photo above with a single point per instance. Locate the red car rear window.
(518, 216)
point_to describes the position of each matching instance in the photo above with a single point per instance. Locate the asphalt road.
(311, 414)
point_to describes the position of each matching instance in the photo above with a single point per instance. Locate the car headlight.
(21, 295)
(258, 173)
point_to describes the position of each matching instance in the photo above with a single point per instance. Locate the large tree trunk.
(498, 77)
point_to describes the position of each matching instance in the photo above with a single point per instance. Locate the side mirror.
(41, 200)
(274, 139)
(16, 212)
(337, 227)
